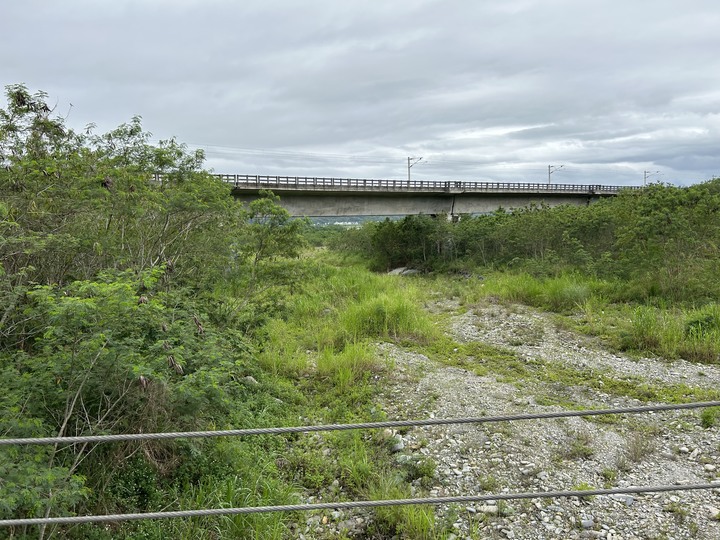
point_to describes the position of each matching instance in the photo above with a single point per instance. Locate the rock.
(587, 523)
(410, 272)
(628, 500)
(489, 509)
(709, 467)
(250, 380)
(397, 271)
(713, 512)
(684, 450)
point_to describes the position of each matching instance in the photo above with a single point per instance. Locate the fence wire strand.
(343, 427)
(351, 504)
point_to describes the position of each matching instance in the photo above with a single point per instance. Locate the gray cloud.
(480, 89)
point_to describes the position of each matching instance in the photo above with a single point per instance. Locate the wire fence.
(344, 427)
(70, 520)
(351, 504)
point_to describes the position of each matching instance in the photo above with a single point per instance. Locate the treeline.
(661, 242)
(131, 284)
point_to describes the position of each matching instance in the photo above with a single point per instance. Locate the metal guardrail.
(312, 183)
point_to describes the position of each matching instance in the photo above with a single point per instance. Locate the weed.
(392, 314)
(677, 509)
(577, 446)
(422, 469)
(584, 486)
(408, 521)
(637, 446)
(530, 334)
(709, 417)
(565, 293)
(348, 366)
(488, 483)
(622, 463)
(610, 476)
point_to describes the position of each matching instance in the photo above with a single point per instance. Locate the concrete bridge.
(324, 197)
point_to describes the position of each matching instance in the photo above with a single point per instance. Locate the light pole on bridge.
(648, 174)
(412, 161)
(552, 169)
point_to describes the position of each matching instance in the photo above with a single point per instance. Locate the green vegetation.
(578, 445)
(506, 366)
(709, 417)
(640, 269)
(137, 296)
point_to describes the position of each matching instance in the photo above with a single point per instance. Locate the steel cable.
(343, 427)
(350, 504)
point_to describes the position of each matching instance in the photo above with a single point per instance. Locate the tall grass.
(282, 353)
(692, 334)
(560, 293)
(392, 314)
(348, 366)
(253, 483)
(417, 522)
(324, 340)
(661, 329)
(346, 304)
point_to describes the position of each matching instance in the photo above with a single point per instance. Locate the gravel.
(650, 449)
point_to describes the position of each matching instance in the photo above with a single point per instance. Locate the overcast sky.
(482, 90)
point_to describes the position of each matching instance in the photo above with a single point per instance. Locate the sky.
(603, 91)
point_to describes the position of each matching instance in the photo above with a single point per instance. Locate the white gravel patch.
(649, 449)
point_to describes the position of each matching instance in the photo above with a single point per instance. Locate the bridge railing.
(312, 183)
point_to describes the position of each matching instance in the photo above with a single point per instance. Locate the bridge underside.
(315, 204)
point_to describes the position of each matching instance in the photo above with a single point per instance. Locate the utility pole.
(648, 174)
(552, 169)
(412, 161)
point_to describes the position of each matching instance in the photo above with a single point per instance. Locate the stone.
(250, 380)
(399, 445)
(628, 500)
(397, 271)
(488, 509)
(709, 467)
(588, 523)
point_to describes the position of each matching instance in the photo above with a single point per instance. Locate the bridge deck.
(242, 182)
